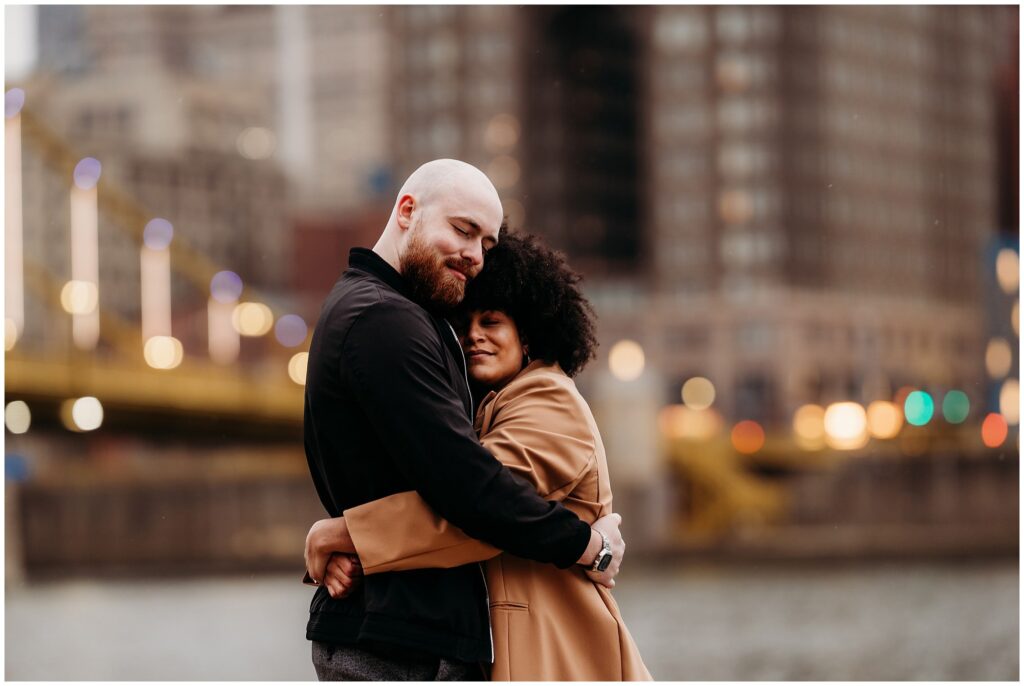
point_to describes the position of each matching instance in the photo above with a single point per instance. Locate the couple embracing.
(471, 533)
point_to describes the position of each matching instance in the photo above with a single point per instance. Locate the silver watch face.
(603, 563)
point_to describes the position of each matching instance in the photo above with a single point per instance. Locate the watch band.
(604, 557)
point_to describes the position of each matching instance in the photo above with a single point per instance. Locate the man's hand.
(325, 537)
(609, 526)
(344, 573)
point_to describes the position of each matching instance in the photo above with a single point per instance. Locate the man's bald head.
(439, 178)
(445, 217)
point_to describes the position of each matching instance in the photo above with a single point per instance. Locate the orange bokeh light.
(993, 430)
(747, 437)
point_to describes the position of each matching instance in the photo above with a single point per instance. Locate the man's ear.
(406, 206)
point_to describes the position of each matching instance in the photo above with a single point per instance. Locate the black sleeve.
(393, 360)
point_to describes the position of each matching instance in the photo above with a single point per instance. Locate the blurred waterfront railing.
(177, 517)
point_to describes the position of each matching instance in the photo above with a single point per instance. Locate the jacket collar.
(485, 410)
(369, 262)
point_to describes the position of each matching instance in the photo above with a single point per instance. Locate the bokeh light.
(163, 352)
(502, 133)
(1015, 318)
(698, 393)
(226, 287)
(17, 417)
(681, 422)
(919, 408)
(956, 406)
(998, 358)
(626, 360)
(809, 427)
(87, 173)
(14, 100)
(1009, 401)
(79, 297)
(846, 426)
(290, 330)
(158, 234)
(1008, 270)
(884, 419)
(747, 437)
(86, 414)
(256, 143)
(994, 430)
(252, 319)
(297, 368)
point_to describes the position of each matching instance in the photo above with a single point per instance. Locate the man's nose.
(473, 253)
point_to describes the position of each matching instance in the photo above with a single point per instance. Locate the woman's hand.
(325, 537)
(344, 573)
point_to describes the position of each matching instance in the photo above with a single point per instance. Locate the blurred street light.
(956, 406)
(626, 360)
(994, 430)
(809, 427)
(85, 249)
(846, 426)
(998, 358)
(1008, 270)
(681, 422)
(79, 297)
(163, 352)
(223, 338)
(884, 419)
(17, 417)
(1009, 401)
(82, 414)
(919, 408)
(252, 319)
(747, 437)
(297, 368)
(698, 393)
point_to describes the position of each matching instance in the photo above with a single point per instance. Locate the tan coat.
(547, 624)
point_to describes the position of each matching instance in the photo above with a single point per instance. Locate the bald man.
(387, 410)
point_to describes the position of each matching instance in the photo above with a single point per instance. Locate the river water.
(749, 621)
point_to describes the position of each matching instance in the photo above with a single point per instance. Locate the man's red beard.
(428, 277)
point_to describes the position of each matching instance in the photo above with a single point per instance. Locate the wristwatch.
(604, 558)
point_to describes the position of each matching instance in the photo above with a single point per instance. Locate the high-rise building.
(792, 201)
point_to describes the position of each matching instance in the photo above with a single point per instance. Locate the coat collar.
(485, 411)
(369, 262)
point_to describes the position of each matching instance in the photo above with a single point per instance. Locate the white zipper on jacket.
(480, 565)
(465, 374)
(487, 599)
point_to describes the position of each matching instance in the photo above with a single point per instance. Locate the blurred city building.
(791, 201)
(782, 213)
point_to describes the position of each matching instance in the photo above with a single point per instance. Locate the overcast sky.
(19, 41)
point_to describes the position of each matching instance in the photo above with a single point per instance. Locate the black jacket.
(388, 409)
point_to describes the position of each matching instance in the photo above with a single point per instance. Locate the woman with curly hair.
(526, 330)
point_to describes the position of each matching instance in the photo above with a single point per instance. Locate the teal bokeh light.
(919, 408)
(955, 407)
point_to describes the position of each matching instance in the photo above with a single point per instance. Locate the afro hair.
(534, 286)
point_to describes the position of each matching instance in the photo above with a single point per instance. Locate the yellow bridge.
(259, 392)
